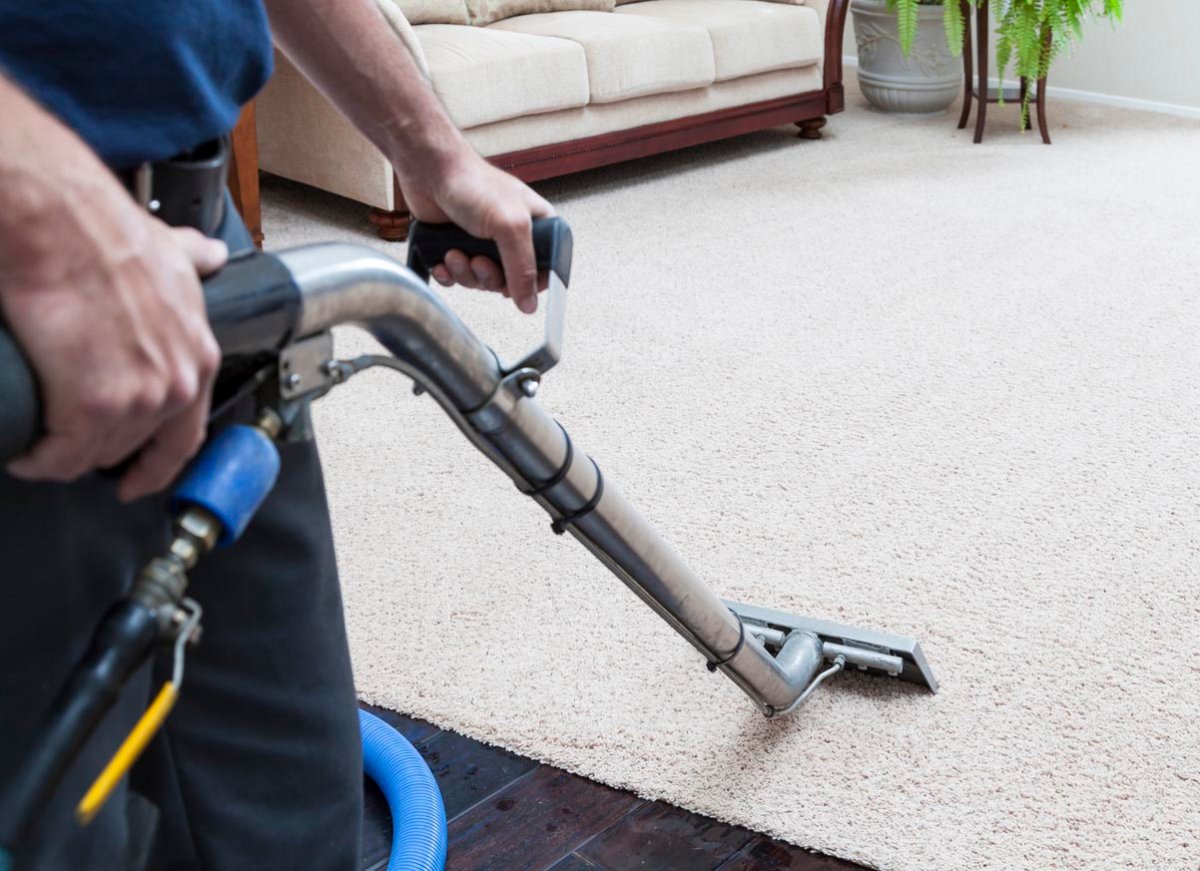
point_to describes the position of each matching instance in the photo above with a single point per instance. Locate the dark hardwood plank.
(575, 862)
(664, 838)
(764, 854)
(411, 728)
(468, 772)
(534, 822)
(377, 816)
(510, 814)
(377, 826)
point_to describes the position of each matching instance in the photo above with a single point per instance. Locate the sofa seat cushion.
(748, 36)
(627, 55)
(484, 75)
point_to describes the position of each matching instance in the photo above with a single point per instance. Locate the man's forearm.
(52, 186)
(348, 50)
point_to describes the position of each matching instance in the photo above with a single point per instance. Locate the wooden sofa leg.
(810, 128)
(391, 226)
(243, 173)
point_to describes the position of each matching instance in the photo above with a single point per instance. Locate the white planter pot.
(926, 81)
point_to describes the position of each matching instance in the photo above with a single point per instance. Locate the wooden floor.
(508, 813)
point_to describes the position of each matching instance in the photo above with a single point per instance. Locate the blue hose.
(418, 815)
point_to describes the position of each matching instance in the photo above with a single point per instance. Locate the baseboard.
(849, 61)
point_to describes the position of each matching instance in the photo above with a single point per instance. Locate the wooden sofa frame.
(807, 111)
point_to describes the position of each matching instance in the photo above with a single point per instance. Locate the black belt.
(186, 191)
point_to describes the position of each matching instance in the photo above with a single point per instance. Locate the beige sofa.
(546, 94)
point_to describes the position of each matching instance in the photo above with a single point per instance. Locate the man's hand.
(489, 203)
(124, 356)
(106, 303)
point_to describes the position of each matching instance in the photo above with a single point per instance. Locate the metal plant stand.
(975, 86)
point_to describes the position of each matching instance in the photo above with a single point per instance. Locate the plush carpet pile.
(889, 378)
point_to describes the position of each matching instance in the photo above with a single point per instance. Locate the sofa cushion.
(429, 11)
(484, 75)
(484, 12)
(627, 55)
(518, 134)
(748, 36)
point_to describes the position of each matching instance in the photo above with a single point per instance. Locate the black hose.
(123, 641)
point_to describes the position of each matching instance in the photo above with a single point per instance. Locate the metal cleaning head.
(873, 652)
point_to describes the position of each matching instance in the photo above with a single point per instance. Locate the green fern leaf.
(906, 23)
(1032, 34)
(952, 21)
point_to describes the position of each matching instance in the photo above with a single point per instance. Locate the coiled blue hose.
(418, 815)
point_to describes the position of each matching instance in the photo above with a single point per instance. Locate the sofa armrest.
(407, 35)
(833, 22)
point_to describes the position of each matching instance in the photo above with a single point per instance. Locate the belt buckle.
(143, 188)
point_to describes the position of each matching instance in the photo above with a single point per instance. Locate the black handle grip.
(252, 303)
(428, 244)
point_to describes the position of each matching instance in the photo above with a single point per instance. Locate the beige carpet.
(889, 378)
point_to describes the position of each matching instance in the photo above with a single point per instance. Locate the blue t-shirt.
(138, 80)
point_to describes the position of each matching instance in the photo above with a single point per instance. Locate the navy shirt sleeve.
(139, 79)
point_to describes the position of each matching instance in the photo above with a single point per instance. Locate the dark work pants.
(259, 766)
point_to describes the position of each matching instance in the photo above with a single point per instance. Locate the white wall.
(1153, 55)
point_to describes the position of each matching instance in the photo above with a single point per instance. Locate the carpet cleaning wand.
(778, 659)
(285, 304)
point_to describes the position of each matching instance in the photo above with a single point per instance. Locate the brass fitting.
(269, 422)
(196, 533)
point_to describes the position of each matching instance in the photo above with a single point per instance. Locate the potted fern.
(906, 48)
(906, 53)
(1031, 34)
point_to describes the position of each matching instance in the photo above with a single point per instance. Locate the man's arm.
(351, 53)
(106, 303)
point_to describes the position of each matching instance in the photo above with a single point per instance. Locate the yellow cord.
(127, 754)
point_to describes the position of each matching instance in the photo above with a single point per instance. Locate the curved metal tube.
(353, 284)
(342, 284)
